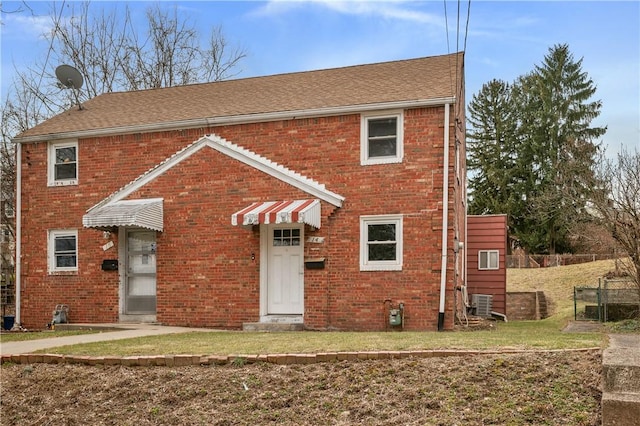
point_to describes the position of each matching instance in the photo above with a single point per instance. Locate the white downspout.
(445, 218)
(18, 229)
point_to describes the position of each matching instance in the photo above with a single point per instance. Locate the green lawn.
(557, 283)
(16, 336)
(544, 334)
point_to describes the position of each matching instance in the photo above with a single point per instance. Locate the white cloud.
(25, 26)
(395, 10)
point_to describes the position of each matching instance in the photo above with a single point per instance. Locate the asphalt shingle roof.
(397, 81)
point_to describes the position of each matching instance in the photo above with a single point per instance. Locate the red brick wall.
(205, 273)
(522, 305)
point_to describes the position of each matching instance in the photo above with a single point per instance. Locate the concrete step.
(272, 326)
(621, 378)
(542, 305)
(620, 409)
(621, 364)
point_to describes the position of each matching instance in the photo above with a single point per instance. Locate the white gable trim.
(278, 171)
(234, 151)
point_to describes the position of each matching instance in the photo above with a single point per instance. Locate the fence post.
(599, 299)
(606, 299)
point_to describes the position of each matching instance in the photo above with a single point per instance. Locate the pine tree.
(532, 150)
(491, 148)
(560, 94)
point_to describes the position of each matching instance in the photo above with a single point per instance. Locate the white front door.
(285, 282)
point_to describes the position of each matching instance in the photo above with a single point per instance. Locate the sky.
(502, 40)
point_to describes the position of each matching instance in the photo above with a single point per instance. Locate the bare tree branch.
(112, 55)
(616, 202)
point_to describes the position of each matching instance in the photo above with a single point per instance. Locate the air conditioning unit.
(481, 304)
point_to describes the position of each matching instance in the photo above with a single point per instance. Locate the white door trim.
(265, 241)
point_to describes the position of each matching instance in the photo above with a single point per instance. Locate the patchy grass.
(544, 334)
(19, 336)
(560, 388)
(625, 326)
(544, 388)
(558, 282)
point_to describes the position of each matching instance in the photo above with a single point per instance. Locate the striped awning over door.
(288, 211)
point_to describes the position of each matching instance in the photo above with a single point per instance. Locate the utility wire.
(458, 86)
(466, 29)
(458, 28)
(464, 48)
(446, 25)
(446, 30)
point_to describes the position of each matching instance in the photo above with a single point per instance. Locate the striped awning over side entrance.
(139, 213)
(291, 211)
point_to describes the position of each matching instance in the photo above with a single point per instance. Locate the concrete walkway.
(111, 332)
(583, 327)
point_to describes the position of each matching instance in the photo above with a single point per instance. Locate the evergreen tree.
(551, 148)
(566, 142)
(491, 148)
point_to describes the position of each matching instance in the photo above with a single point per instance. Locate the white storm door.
(140, 285)
(285, 286)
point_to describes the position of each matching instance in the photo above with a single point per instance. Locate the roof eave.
(236, 119)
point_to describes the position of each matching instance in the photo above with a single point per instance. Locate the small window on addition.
(488, 259)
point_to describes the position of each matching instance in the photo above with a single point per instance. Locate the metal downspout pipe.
(18, 230)
(445, 219)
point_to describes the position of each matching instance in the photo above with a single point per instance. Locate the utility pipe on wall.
(445, 218)
(18, 211)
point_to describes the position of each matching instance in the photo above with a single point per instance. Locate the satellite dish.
(69, 77)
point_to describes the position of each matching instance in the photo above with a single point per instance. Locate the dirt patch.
(557, 388)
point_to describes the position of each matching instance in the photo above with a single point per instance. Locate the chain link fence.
(612, 300)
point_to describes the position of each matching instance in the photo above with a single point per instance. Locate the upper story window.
(488, 259)
(381, 138)
(63, 250)
(63, 163)
(381, 243)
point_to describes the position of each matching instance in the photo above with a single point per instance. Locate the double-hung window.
(63, 163)
(381, 243)
(63, 250)
(381, 140)
(488, 259)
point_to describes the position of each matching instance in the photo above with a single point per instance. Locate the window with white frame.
(488, 259)
(381, 138)
(381, 243)
(63, 163)
(63, 250)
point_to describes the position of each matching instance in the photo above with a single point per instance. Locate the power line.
(466, 29)
(446, 25)
(446, 29)
(458, 29)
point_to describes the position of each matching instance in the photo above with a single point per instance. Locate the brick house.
(325, 199)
